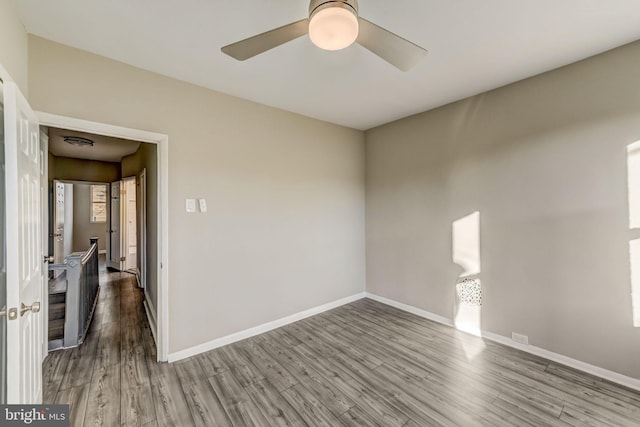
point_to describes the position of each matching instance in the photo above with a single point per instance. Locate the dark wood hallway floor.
(361, 364)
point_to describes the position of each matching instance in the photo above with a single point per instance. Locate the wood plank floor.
(363, 364)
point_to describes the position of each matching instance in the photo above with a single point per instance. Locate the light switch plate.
(203, 205)
(191, 205)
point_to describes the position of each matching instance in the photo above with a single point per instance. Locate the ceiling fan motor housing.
(333, 25)
(317, 5)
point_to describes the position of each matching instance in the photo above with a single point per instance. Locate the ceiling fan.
(334, 25)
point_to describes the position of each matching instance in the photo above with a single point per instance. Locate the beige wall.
(69, 169)
(544, 161)
(51, 166)
(285, 226)
(13, 45)
(83, 228)
(146, 158)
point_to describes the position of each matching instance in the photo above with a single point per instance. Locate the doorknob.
(12, 313)
(48, 259)
(35, 307)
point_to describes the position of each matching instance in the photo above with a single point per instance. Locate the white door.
(44, 236)
(24, 254)
(114, 258)
(3, 267)
(129, 234)
(58, 225)
(67, 232)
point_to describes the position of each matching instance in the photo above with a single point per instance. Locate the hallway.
(111, 370)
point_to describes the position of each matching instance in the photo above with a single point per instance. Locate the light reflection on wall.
(466, 244)
(633, 181)
(466, 254)
(634, 254)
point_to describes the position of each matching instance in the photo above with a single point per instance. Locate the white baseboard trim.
(260, 329)
(136, 273)
(411, 309)
(606, 374)
(151, 317)
(630, 382)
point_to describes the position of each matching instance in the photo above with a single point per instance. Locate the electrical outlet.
(522, 339)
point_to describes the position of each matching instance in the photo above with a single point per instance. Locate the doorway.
(114, 238)
(61, 223)
(155, 175)
(123, 235)
(130, 225)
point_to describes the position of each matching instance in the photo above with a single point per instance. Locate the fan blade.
(255, 45)
(392, 48)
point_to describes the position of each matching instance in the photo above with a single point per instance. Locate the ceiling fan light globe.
(333, 28)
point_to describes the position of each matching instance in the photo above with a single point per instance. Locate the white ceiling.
(105, 148)
(473, 46)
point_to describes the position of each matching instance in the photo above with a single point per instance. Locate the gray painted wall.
(544, 161)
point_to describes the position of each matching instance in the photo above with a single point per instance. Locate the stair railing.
(83, 284)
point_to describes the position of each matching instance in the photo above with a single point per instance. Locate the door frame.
(162, 142)
(124, 223)
(117, 265)
(142, 221)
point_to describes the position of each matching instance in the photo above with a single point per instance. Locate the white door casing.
(115, 215)
(44, 218)
(25, 255)
(142, 215)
